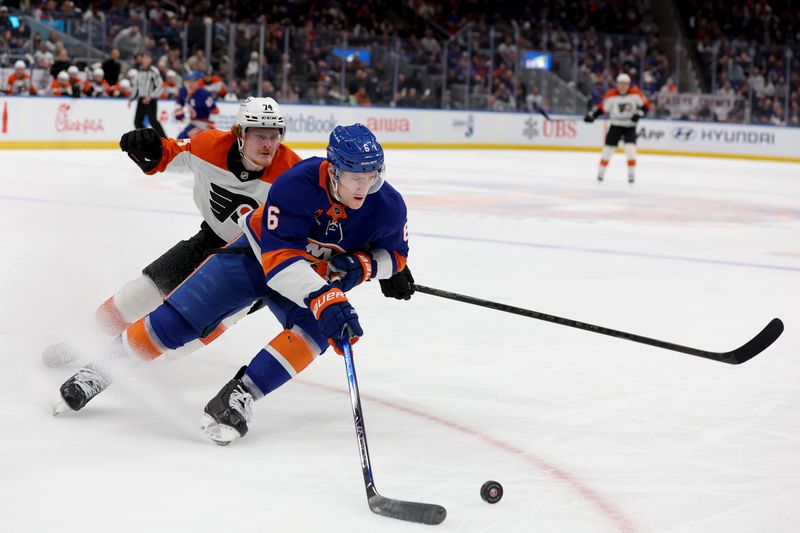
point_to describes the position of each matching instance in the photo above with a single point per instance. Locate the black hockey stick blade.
(750, 349)
(757, 344)
(421, 513)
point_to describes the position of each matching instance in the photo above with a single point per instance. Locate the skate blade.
(61, 407)
(221, 434)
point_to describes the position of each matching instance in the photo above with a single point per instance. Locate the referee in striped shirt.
(146, 90)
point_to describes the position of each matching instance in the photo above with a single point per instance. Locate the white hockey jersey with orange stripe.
(620, 108)
(223, 189)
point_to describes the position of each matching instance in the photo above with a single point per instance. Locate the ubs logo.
(531, 128)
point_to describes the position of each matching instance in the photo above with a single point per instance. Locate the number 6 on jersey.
(272, 217)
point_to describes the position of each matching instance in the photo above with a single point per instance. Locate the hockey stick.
(747, 351)
(541, 111)
(423, 513)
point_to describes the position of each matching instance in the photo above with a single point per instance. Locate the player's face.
(261, 145)
(353, 187)
(623, 87)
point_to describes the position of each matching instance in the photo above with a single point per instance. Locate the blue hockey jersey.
(301, 226)
(201, 103)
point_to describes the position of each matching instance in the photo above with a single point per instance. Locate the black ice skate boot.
(227, 414)
(84, 385)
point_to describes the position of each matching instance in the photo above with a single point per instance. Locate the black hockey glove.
(144, 147)
(639, 114)
(590, 116)
(400, 286)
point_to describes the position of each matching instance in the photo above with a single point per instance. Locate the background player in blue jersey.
(201, 106)
(329, 224)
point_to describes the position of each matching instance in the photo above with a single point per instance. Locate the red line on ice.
(614, 514)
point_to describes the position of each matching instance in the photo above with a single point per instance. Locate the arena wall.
(46, 123)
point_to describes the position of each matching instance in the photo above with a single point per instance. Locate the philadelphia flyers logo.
(226, 204)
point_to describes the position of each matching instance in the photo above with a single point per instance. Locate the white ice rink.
(586, 433)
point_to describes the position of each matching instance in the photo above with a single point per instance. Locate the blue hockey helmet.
(193, 75)
(354, 149)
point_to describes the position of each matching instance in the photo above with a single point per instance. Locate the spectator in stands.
(22, 33)
(19, 82)
(61, 63)
(97, 86)
(362, 97)
(5, 22)
(112, 67)
(128, 41)
(534, 100)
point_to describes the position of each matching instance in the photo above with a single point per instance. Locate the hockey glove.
(144, 147)
(334, 314)
(351, 269)
(590, 116)
(639, 114)
(400, 286)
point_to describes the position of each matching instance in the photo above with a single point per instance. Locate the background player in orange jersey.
(624, 105)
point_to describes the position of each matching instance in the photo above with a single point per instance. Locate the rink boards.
(47, 122)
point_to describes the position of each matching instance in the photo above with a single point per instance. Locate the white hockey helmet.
(124, 84)
(62, 76)
(172, 74)
(132, 73)
(624, 78)
(259, 113)
(98, 72)
(20, 65)
(73, 70)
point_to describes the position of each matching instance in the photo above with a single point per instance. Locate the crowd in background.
(742, 47)
(454, 54)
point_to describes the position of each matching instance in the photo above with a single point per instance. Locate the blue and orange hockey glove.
(352, 269)
(334, 313)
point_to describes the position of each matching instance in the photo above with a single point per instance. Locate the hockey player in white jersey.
(624, 105)
(233, 171)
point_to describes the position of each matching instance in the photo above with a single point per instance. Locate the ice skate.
(58, 355)
(84, 385)
(227, 414)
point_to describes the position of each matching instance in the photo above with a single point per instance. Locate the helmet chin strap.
(245, 159)
(334, 188)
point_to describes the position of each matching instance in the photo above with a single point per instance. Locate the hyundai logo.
(682, 134)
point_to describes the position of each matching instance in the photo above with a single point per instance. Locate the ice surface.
(586, 433)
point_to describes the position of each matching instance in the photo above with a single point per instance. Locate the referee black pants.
(151, 110)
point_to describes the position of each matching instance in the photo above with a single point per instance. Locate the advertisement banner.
(47, 122)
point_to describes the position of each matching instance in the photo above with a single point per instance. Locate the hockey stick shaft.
(358, 418)
(423, 513)
(747, 351)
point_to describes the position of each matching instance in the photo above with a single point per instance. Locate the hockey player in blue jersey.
(329, 224)
(201, 106)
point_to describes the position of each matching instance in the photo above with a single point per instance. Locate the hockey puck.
(491, 492)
